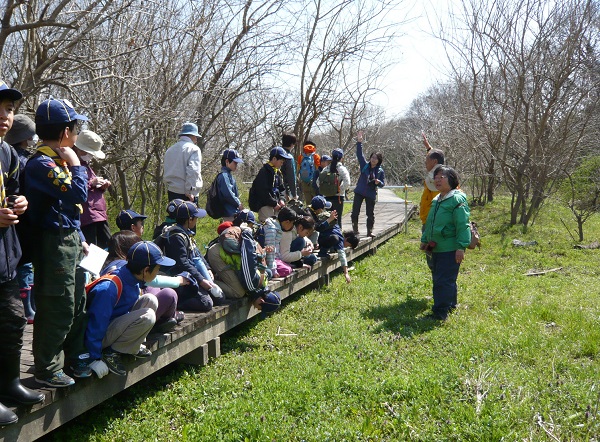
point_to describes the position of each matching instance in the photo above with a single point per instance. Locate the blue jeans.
(444, 270)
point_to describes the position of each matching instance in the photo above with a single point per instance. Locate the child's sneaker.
(143, 352)
(81, 367)
(112, 359)
(57, 380)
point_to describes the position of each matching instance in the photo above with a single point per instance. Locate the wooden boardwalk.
(195, 341)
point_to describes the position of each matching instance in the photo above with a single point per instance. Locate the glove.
(100, 368)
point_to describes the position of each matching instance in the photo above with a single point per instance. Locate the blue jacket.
(104, 308)
(54, 191)
(228, 192)
(10, 250)
(366, 184)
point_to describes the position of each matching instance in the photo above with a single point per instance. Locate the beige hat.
(91, 143)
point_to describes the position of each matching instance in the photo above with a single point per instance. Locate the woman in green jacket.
(445, 238)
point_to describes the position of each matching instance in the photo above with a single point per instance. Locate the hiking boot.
(81, 368)
(112, 359)
(143, 353)
(57, 380)
(355, 229)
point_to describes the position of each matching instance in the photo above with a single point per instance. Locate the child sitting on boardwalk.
(178, 243)
(331, 238)
(119, 318)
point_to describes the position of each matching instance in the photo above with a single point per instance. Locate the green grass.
(519, 360)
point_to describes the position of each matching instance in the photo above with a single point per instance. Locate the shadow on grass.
(404, 318)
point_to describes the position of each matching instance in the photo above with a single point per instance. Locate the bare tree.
(526, 66)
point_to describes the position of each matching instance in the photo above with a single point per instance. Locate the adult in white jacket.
(182, 172)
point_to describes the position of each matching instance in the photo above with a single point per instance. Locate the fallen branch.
(541, 272)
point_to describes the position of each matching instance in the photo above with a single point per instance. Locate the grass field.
(517, 361)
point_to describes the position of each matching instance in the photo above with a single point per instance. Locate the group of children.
(89, 328)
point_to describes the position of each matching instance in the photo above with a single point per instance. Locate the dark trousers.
(60, 319)
(296, 246)
(97, 233)
(12, 320)
(194, 299)
(173, 196)
(370, 205)
(444, 273)
(337, 203)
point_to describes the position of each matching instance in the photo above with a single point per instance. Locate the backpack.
(475, 237)
(88, 288)
(328, 183)
(253, 200)
(214, 208)
(307, 167)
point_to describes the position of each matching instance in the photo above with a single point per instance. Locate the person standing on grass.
(445, 237)
(288, 170)
(267, 192)
(12, 319)
(94, 224)
(229, 196)
(371, 178)
(308, 163)
(182, 172)
(433, 160)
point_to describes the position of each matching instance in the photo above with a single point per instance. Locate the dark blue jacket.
(55, 192)
(366, 181)
(10, 250)
(267, 188)
(229, 195)
(104, 308)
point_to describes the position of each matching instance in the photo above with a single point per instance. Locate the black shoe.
(112, 359)
(143, 353)
(17, 392)
(7, 417)
(165, 327)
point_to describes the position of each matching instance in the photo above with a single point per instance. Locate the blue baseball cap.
(126, 218)
(56, 111)
(319, 202)
(244, 216)
(189, 129)
(232, 155)
(172, 206)
(326, 158)
(337, 154)
(146, 253)
(279, 151)
(272, 301)
(187, 209)
(7, 92)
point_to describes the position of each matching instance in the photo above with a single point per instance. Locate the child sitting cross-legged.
(331, 238)
(305, 226)
(119, 317)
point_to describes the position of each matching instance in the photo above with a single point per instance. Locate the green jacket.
(448, 222)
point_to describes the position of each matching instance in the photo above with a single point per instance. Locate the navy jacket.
(54, 191)
(366, 184)
(229, 195)
(267, 188)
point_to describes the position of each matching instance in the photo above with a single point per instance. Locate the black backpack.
(214, 208)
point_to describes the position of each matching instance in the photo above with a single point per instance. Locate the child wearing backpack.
(334, 180)
(308, 163)
(119, 317)
(227, 195)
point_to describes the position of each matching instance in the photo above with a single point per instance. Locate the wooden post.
(197, 357)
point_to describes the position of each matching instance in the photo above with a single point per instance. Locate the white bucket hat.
(91, 143)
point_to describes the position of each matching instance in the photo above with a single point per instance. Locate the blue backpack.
(307, 167)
